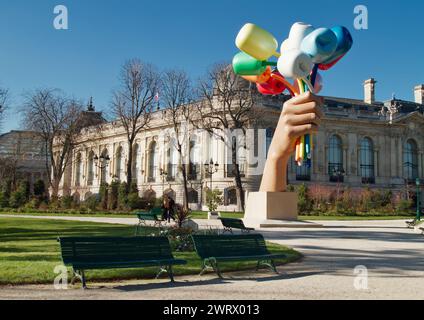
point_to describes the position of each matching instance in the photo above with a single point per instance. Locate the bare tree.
(133, 103)
(176, 94)
(56, 119)
(9, 171)
(226, 104)
(4, 95)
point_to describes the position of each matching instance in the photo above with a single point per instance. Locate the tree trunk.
(55, 189)
(239, 184)
(129, 166)
(184, 173)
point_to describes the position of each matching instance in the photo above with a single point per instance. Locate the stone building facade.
(361, 143)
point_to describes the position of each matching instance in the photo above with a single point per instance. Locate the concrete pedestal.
(274, 210)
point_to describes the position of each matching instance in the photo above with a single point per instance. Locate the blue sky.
(84, 61)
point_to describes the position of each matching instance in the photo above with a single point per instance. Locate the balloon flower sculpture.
(306, 51)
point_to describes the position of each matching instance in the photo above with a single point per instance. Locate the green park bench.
(231, 223)
(92, 253)
(214, 249)
(154, 215)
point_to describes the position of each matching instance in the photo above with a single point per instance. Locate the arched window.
(230, 197)
(104, 168)
(366, 155)
(335, 159)
(193, 196)
(210, 149)
(78, 170)
(153, 162)
(119, 168)
(193, 167)
(410, 160)
(90, 169)
(303, 173)
(172, 160)
(135, 167)
(150, 195)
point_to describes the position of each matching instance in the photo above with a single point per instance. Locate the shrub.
(304, 201)
(112, 197)
(214, 199)
(17, 199)
(24, 188)
(6, 187)
(104, 195)
(135, 202)
(34, 203)
(39, 188)
(404, 206)
(179, 238)
(181, 215)
(134, 188)
(66, 202)
(92, 202)
(123, 196)
(4, 199)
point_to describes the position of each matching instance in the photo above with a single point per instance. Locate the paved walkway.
(392, 254)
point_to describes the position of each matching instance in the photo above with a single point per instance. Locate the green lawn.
(204, 215)
(194, 214)
(29, 251)
(354, 218)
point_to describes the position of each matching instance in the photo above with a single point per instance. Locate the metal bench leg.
(137, 228)
(206, 264)
(79, 274)
(226, 229)
(274, 268)
(171, 274)
(215, 266)
(270, 264)
(84, 284)
(168, 270)
(258, 265)
(161, 271)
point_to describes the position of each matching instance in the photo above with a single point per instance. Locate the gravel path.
(392, 254)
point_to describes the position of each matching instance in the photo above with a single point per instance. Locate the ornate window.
(366, 154)
(90, 169)
(410, 160)
(105, 169)
(78, 170)
(119, 164)
(230, 196)
(193, 196)
(135, 163)
(335, 159)
(153, 165)
(303, 173)
(172, 161)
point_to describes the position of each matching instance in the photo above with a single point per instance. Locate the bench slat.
(115, 250)
(230, 246)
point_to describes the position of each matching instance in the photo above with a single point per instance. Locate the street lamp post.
(418, 183)
(211, 168)
(101, 163)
